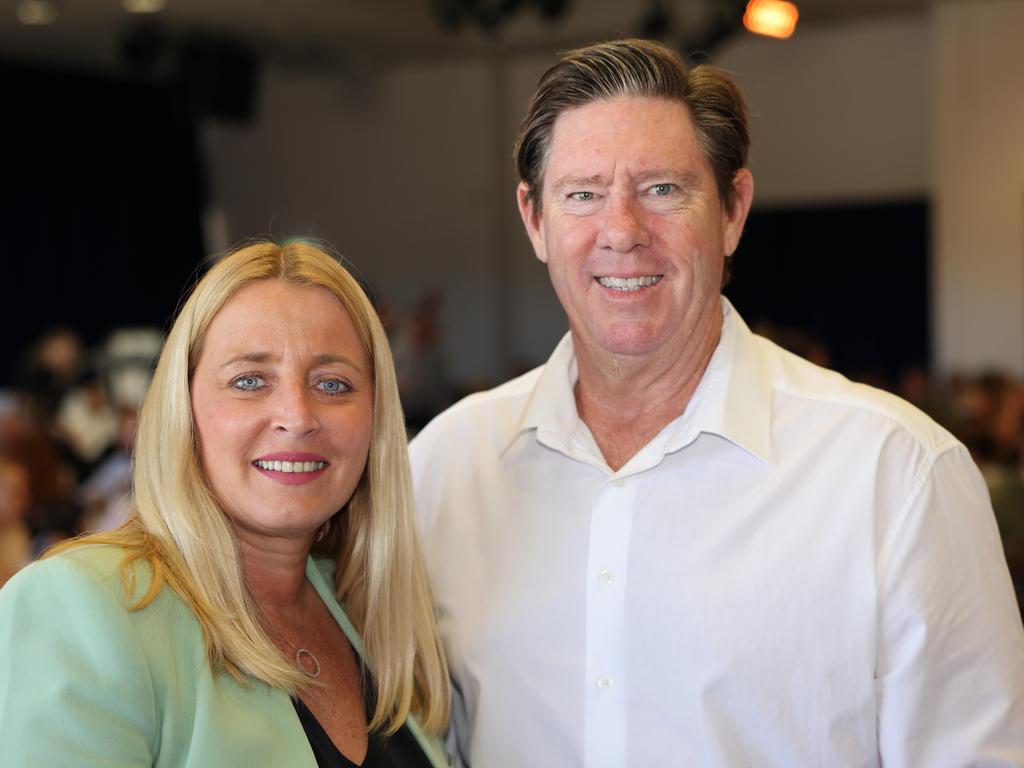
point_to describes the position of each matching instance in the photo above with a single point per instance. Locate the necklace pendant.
(304, 668)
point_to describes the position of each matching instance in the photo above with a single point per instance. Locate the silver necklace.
(300, 654)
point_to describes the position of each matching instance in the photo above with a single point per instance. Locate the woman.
(270, 478)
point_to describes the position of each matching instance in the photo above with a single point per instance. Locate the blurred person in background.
(105, 496)
(423, 379)
(15, 498)
(126, 362)
(993, 428)
(271, 488)
(86, 423)
(676, 543)
(53, 514)
(51, 367)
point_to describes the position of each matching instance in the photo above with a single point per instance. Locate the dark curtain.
(100, 206)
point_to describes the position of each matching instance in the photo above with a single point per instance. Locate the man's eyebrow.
(571, 182)
(688, 181)
(262, 357)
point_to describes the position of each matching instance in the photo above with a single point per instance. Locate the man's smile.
(628, 284)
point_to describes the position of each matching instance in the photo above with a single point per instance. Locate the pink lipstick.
(291, 467)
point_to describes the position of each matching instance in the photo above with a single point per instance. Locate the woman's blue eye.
(582, 196)
(248, 382)
(661, 189)
(333, 386)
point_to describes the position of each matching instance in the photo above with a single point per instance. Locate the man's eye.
(660, 190)
(333, 386)
(583, 197)
(248, 382)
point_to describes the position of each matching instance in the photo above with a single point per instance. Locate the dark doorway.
(854, 277)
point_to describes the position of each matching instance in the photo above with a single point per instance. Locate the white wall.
(837, 113)
(978, 185)
(394, 169)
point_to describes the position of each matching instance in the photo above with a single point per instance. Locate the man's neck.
(626, 401)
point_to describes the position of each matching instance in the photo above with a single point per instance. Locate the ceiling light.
(143, 6)
(37, 13)
(773, 18)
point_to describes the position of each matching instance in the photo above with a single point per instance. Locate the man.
(675, 543)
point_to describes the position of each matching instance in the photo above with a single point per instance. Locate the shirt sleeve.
(950, 663)
(74, 685)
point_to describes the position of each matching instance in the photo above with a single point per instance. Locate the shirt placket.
(607, 570)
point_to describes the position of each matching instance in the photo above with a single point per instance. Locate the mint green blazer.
(84, 682)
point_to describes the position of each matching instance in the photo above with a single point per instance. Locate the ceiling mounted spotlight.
(772, 18)
(37, 13)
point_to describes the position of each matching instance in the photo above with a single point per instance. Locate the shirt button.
(605, 682)
(606, 576)
(619, 482)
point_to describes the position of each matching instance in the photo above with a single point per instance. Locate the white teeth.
(290, 466)
(629, 283)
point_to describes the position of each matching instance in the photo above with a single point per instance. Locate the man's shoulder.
(806, 386)
(490, 414)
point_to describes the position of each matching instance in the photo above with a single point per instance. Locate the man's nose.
(624, 226)
(295, 411)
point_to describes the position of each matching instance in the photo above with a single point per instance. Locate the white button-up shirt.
(797, 571)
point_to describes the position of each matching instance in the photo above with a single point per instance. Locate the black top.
(400, 750)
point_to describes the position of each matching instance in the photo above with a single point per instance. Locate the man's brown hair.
(637, 68)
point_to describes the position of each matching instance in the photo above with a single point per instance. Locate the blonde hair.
(181, 529)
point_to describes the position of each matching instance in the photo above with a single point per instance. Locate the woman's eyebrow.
(262, 357)
(327, 359)
(248, 357)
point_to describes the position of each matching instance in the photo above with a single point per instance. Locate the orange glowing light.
(774, 18)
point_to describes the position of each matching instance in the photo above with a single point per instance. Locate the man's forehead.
(623, 105)
(644, 136)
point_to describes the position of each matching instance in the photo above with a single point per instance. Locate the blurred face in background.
(15, 496)
(282, 398)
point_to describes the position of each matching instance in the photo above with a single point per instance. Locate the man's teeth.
(291, 466)
(629, 283)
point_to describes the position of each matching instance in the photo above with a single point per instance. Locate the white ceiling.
(92, 33)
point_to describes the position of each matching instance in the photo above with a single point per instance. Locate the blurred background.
(886, 239)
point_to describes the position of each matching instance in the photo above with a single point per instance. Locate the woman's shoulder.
(74, 658)
(90, 596)
(87, 572)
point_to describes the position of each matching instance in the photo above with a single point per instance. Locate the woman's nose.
(295, 410)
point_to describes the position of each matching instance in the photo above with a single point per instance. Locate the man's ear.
(743, 196)
(531, 220)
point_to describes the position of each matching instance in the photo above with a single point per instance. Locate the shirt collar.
(733, 399)
(551, 407)
(735, 391)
